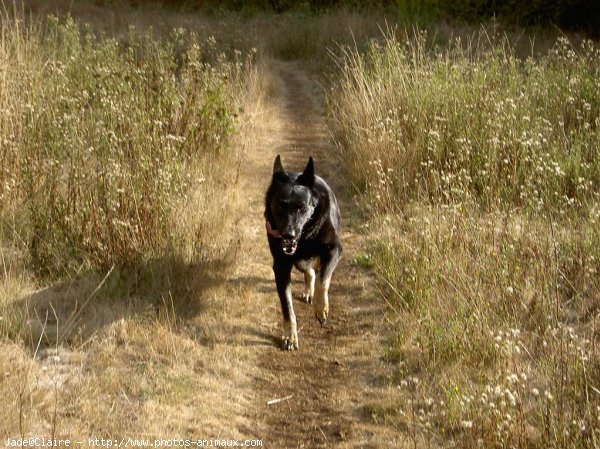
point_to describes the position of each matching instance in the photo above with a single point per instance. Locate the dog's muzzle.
(289, 246)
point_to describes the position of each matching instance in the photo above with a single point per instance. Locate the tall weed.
(471, 123)
(478, 171)
(102, 138)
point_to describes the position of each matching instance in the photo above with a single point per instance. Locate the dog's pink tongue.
(271, 232)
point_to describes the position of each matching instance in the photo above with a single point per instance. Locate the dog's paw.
(289, 344)
(307, 298)
(322, 316)
(290, 336)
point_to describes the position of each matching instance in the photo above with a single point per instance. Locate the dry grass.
(127, 327)
(479, 172)
(120, 204)
(495, 319)
(489, 267)
(471, 122)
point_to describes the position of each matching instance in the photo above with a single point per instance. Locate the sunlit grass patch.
(471, 122)
(478, 170)
(119, 204)
(494, 316)
(102, 138)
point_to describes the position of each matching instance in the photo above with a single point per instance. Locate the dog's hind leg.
(321, 298)
(284, 290)
(308, 268)
(309, 285)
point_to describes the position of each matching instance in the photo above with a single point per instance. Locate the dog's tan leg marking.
(321, 300)
(290, 328)
(309, 285)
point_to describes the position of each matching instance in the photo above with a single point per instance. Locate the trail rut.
(338, 370)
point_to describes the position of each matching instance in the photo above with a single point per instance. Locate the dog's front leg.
(321, 301)
(283, 272)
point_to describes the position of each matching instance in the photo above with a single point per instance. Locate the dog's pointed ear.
(277, 166)
(307, 178)
(278, 171)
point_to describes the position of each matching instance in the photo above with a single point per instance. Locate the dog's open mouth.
(289, 245)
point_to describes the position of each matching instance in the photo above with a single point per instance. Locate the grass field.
(118, 200)
(477, 169)
(131, 275)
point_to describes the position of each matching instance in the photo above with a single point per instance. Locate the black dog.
(303, 228)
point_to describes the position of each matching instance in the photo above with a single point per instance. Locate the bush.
(568, 14)
(479, 172)
(100, 138)
(472, 123)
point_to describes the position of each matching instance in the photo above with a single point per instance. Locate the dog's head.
(291, 203)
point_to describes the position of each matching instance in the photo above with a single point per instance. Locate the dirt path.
(338, 370)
